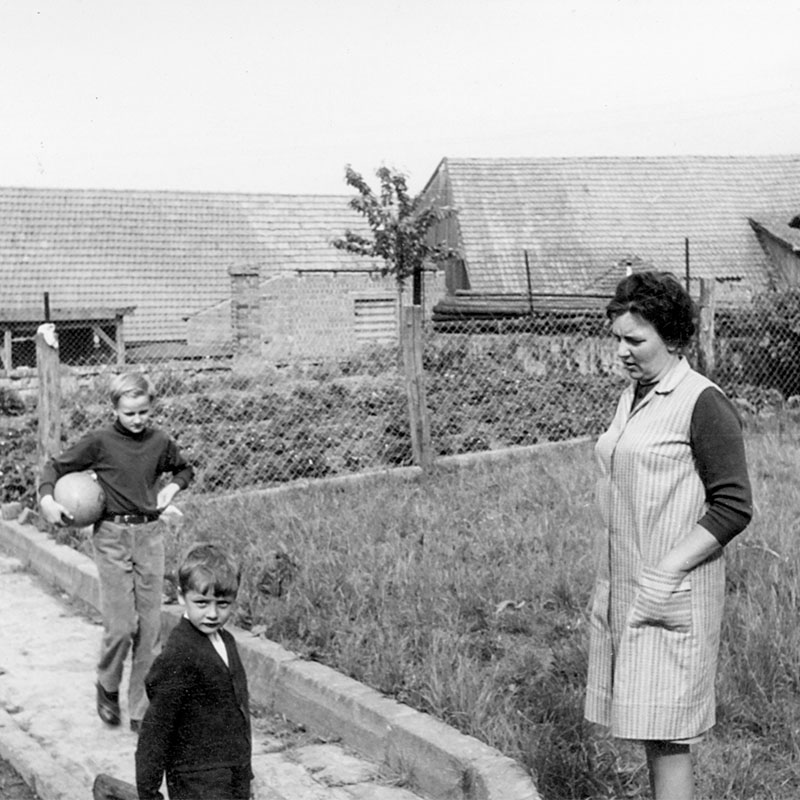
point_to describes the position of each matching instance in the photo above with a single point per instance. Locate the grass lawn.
(465, 597)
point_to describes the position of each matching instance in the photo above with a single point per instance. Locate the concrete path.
(51, 734)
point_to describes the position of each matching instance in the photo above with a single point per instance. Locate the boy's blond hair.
(130, 384)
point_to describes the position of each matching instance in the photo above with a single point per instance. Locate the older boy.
(197, 726)
(128, 458)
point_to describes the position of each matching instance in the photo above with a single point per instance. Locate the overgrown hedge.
(761, 343)
(351, 416)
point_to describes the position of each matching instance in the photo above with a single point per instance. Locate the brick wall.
(297, 314)
(312, 315)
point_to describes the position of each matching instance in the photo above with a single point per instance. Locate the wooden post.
(8, 364)
(411, 341)
(686, 263)
(705, 334)
(530, 286)
(119, 336)
(47, 365)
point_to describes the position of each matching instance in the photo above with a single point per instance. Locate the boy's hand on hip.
(165, 496)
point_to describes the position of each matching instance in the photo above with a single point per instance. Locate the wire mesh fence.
(494, 384)
(263, 424)
(489, 383)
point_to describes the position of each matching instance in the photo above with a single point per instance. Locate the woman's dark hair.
(658, 298)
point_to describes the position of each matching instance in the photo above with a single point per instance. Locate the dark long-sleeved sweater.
(127, 466)
(718, 449)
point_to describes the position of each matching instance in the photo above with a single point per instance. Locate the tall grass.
(465, 596)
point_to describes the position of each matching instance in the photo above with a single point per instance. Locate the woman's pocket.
(664, 600)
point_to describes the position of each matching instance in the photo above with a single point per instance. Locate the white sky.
(278, 95)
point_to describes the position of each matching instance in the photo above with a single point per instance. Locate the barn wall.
(313, 315)
(434, 290)
(785, 263)
(307, 314)
(211, 326)
(446, 232)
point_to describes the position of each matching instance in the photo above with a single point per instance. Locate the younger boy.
(128, 458)
(197, 726)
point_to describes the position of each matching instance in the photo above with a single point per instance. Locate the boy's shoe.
(136, 725)
(107, 706)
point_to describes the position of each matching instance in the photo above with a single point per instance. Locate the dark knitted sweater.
(199, 716)
(127, 465)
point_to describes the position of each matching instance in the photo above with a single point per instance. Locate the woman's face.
(642, 351)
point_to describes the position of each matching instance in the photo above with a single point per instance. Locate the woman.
(673, 490)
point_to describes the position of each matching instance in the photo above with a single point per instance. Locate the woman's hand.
(661, 601)
(693, 549)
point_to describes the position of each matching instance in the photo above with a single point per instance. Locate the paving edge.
(49, 779)
(440, 762)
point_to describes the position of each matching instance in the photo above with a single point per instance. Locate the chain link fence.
(257, 423)
(490, 383)
(501, 383)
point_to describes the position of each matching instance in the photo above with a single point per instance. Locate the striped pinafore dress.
(654, 635)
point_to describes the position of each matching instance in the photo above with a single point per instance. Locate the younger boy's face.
(207, 612)
(133, 412)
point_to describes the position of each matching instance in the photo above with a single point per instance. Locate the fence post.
(7, 351)
(47, 366)
(705, 335)
(119, 339)
(411, 341)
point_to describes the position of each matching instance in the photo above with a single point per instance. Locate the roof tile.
(578, 217)
(166, 253)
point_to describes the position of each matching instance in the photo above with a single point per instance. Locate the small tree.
(400, 226)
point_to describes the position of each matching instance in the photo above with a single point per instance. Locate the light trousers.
(130, 565)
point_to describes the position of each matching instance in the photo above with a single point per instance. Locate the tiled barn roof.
(579, 218)
(166, 253)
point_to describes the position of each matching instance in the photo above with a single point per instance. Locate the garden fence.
(479, 384)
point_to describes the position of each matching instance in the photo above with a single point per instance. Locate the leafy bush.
(241, 438)
(18, 463)
(255, 431)
(373, 360)
(11, 404)
(765, 346)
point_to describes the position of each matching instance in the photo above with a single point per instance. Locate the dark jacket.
(198, 717)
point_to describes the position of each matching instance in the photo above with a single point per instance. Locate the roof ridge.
(619, 159)
(171, 192)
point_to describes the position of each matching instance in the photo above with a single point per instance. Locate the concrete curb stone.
(442, 763)
(46, 777)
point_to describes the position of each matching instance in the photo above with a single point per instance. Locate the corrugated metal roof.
(580, 217)
(166, 253)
